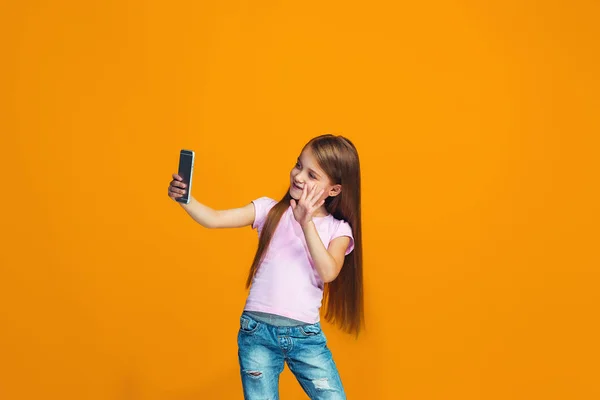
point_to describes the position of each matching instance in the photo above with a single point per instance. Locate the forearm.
(200, 213)
(324, 262)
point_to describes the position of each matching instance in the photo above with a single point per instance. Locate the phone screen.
(186, 162)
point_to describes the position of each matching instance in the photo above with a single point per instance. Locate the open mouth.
(297, 187)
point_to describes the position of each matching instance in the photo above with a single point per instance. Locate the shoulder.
(340, 225)
(262, 206)
(264, 202)
(341, 232)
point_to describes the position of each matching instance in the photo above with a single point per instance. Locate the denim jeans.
(263, 349)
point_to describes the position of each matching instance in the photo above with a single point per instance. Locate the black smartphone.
(186, 169)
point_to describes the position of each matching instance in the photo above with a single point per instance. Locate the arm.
(328, 262)
(206, 216)
(215, 219)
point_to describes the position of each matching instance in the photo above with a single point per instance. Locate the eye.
(312, 176)
(298, 164)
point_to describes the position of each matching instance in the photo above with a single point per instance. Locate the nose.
(298, 177)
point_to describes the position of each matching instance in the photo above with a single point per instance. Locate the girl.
(309, 250)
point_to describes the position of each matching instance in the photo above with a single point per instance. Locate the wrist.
(186, 206)
(307, 224)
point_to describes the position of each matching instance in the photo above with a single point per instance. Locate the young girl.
(309, 250)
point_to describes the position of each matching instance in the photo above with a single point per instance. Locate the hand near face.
(308, 204)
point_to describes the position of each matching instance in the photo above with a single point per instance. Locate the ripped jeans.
(263, 349)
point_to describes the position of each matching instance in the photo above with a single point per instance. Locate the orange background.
(476, 124)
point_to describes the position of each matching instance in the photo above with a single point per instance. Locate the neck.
(322, 212)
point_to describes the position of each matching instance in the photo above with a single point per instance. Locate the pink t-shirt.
(286, 282)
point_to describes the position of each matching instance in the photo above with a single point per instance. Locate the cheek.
(319, 187)
(326, 192)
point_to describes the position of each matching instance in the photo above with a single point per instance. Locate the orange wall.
(476, 124)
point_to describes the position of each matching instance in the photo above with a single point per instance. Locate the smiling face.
(307, 173)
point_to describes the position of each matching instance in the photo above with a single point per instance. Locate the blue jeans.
(263, 349)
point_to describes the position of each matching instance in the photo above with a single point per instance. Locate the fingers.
(175, 190)
(310, 194)
(317, 197)
(175, 193)
(178, 182)
(176, 187)
(314, 196)
(311, 198)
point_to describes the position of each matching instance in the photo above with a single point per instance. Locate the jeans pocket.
(248, 325)
(311, 330)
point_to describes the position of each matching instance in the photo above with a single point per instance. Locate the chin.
(296, 197)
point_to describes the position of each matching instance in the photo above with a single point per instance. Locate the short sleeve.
(344, 229)
(261, 209)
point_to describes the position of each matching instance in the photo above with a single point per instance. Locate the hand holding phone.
(181, 186)
(177, 188)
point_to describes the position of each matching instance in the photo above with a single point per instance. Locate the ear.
(335, 190)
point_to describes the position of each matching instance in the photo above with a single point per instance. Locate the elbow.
(329, 277)
(213, 221)
(329, 273)
(208, 224)
(211, 225)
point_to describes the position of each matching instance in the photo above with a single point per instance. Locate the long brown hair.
(343, 297)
